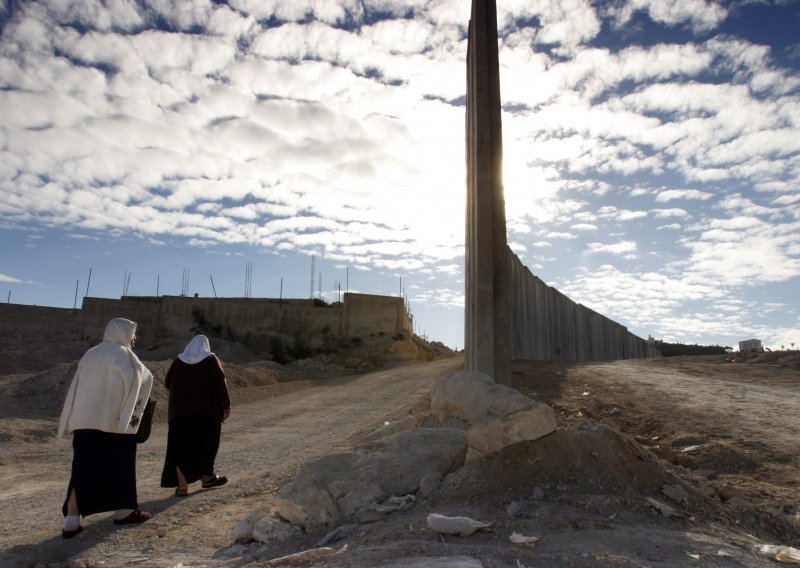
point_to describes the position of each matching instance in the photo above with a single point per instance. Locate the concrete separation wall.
(546, 325)
(509, 313)
(177, 316)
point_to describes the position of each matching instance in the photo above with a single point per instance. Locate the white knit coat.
(110, 387)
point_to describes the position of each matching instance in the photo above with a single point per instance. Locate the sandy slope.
(725, 430)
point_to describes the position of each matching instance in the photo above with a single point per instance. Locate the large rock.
(338, 487)
(498, 416)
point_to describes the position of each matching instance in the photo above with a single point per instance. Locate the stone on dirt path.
(339, 487)
(498, 416)
(462, 526)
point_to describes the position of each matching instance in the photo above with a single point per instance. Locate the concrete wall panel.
(547, 325)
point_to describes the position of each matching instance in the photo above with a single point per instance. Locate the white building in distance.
(750, 345)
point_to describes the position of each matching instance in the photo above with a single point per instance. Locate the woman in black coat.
(198, 405)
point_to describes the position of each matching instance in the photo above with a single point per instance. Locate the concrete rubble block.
(342, 487)
(494, 435)
(473, 397)
(499, 416)
(309, 499)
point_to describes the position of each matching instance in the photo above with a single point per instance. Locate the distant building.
(750, 345)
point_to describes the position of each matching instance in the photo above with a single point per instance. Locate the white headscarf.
(197, 350)
(110, 387)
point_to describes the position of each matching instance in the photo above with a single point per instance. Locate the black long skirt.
(192, 445)
(103, 472)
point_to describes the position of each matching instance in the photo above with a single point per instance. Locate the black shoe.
(70, 534)
(215, 481)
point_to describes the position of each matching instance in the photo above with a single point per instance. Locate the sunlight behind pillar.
(487, 325)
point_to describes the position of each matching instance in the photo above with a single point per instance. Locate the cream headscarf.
(111, 386)
(197, 350)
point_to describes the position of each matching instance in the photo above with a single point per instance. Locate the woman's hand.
(225, 413)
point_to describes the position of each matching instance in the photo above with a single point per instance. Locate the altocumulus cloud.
(337, 127)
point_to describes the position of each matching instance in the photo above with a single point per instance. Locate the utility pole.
(311, 293)
(87, 282)
(212, 285)
(75, 304)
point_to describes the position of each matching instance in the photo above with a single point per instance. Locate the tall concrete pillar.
(487, 323)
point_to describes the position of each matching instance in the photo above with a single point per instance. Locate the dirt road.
(732, 422)
(729, 429)
(263, 444)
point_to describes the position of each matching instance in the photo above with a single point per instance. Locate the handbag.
(146, 423)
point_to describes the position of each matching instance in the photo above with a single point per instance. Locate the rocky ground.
(668, 462)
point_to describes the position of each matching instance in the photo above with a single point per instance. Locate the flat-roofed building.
(749, 345)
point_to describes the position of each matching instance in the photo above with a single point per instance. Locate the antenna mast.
(126, 282)
(248, 276)
(185, 282)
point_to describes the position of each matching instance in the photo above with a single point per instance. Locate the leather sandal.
(215, 481)
(135, 517)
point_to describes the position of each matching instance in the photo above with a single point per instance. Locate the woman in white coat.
(103, 408)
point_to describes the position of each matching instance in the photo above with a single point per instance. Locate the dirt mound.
(37, 398)
(787, 359)
(251, 381)
(720, 457)
(39, 395)
(33, 357)
(226, 350)
(582, 458)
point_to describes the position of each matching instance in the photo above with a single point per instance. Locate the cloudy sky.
(651, 154)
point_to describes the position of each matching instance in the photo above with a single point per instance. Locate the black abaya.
(192, 445)
(103, 472)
